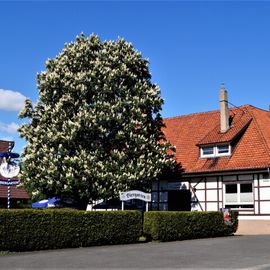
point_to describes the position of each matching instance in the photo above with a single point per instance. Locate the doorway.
(179, 200)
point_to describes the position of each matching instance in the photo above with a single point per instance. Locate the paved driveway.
(238, 252)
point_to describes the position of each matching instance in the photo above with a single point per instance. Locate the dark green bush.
(169, 226)
(101, 228)
(22, 230)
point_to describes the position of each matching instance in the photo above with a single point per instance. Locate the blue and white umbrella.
(47, 203)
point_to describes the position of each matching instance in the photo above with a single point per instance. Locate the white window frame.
(215, 151)
(207, 155)
(238, 195)
(223, 154)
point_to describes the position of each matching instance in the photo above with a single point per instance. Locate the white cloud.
(6, 138)
(10, 128)
(11, 100)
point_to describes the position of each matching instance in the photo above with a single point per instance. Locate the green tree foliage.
(96, 129)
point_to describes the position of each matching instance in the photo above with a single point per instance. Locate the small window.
(246, 188)
(231, 188)
(216, 151)
(223, 149)
(207, 151)
(239, 195)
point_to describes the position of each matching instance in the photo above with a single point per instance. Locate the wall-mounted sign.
(135, 194)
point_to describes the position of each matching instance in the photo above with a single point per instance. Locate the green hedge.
(28, 229)
(121, 228)
(22, 230)
(169, 226)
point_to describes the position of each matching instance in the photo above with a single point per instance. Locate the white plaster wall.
(220, 194)
(200, 195)
(255, 193)
(246, 213)
(211, 184)
(212, 206)
(264, 182)
(265, 207)
(265, 194)
(201, 185)
(211, 195)
(220, 205)
(256, 207)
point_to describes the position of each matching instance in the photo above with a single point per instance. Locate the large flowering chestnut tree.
(96, 128)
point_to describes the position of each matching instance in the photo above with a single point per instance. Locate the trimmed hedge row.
(22, 230)
(170, 226)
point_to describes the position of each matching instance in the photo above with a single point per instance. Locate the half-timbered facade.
(225, 156)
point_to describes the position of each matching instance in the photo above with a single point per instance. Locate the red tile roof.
(249, 136)
(4, 146)
(239, 122)
(15, 192)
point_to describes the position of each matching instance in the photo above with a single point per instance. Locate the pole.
(122, 205)
(146, 207)
(8, 195)
(10, 146)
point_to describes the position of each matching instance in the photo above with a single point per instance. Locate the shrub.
(102, 228)
(169, 226)
(230, 229)
(22, 230)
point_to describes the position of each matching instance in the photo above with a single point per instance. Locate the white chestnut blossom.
(96, 128)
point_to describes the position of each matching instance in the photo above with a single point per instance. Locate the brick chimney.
(224, 110)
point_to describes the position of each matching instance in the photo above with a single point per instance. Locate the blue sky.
(192, 47)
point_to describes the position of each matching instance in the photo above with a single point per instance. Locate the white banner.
(9, 183)
(9, 170)
(135, 194)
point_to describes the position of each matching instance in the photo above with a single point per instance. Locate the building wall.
(262, 195)
(212, 193)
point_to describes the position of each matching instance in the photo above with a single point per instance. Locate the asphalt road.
(236, 252)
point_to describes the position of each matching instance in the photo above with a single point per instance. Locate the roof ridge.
(190, 114)
(257, 108)
(212, 111)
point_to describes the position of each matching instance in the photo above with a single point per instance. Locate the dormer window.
(223, 149)
(207, 151)
(216, 150)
